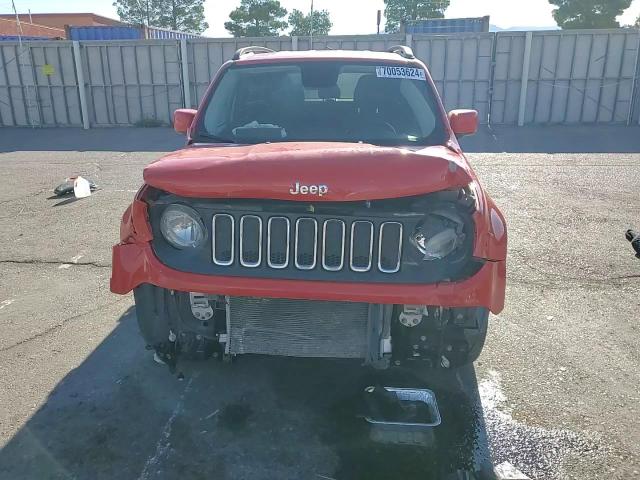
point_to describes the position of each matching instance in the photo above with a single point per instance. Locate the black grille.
(316, 243)
(337, 241)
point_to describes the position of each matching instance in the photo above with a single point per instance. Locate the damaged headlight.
(438, 235)
(182, 227)
(469, 196)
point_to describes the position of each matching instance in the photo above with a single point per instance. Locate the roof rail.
(253, 49)
(402, 50)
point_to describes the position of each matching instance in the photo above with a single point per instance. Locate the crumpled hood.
(277, 171)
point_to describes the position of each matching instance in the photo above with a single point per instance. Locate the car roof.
(324, 55)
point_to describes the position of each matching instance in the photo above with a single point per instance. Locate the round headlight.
(182, 227)
(438, 246)
(438, 236)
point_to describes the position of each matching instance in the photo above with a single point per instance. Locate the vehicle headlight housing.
(182, 227)
(439, 235)
(469, 197)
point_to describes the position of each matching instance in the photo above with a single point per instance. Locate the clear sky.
(348, 16)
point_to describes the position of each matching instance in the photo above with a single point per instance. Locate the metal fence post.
(526, 62)
(492, 79)
(186, 83)
(634, 104)
(409, 40)
(294, 43)
(82, 93)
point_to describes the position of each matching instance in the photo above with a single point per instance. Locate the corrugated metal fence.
(460, 65)
(129, 82)
(580, 76)
(28, 96)
(583, 76)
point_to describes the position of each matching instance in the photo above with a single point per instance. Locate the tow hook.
(200, 307)
(411, 315)
(167, 353)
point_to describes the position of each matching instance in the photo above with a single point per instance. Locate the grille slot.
(278, 239)
(250, 241)
(306, 243)
(333, 236)
(222, 238)
(390, 247)
(361, 256)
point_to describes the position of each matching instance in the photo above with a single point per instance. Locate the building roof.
(59, 20)
(9, 27)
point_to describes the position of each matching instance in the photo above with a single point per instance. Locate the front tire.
(169, 327)
(446, 338)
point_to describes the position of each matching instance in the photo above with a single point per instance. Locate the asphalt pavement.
(556, 392)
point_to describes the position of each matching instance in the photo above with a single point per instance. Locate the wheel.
(435, 337)
(169, 327)
(466, 343)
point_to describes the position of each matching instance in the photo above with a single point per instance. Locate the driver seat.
(372, 98)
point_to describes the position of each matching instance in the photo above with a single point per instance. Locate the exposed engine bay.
(198, 327)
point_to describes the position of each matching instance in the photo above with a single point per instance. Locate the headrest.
(329, 92)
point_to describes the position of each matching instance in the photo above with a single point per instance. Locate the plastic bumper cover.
(135, 264)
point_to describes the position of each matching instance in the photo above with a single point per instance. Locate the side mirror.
(463, 122)
(182, 119)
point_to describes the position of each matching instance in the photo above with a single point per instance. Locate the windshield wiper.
(208, 138)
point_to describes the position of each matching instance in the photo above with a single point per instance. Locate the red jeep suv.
(321, 207)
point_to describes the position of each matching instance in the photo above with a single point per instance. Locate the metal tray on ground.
(408, 433)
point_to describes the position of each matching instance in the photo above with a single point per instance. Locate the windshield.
(322, 101)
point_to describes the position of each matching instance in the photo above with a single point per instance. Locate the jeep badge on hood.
(300, 189)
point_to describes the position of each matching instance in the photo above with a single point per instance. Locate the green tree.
(397, 11)
(588, 13)
(182, 15)
(257, 18)
(637, 24)
(301, 24)
(145, 12)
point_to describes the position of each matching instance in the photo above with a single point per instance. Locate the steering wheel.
(391, 128)
(381, 126)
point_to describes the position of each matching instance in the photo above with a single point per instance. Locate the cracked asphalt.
(556, 391)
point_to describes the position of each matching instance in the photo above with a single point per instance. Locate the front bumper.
(135, 264)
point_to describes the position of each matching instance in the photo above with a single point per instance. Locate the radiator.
(298, 328)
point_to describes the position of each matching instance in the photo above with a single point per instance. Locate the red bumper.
(135, 264)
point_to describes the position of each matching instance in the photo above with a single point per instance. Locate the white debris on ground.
(5, 303)
(506, 471)
(81, 187)
(537, 452)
